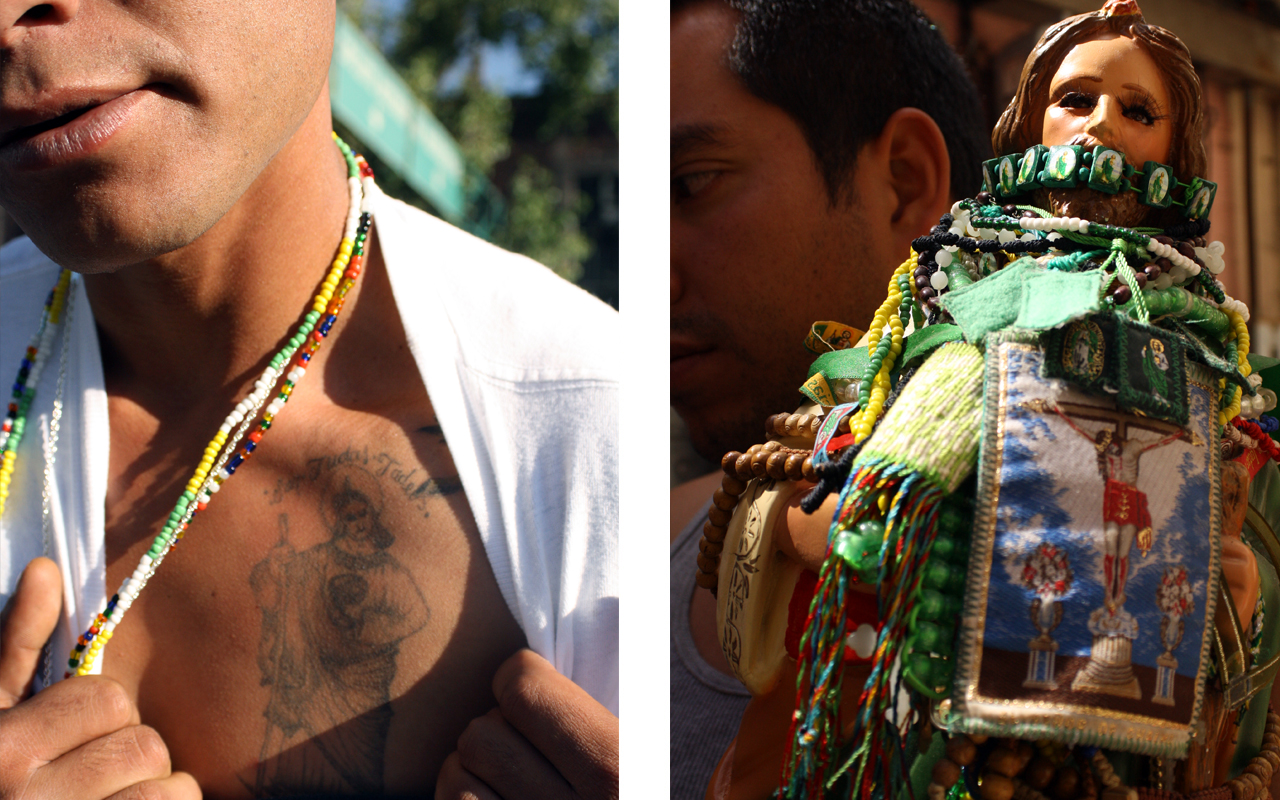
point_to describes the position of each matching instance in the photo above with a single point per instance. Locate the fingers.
(81, 738)
(456, 783)
(27, 623)
(547, 739)
(493, 751)
(76, 738)
(108, 765)
(178, 786)
(577, 735)
(62, 718)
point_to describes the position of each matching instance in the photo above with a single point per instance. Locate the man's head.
(809, 145)
(128, 129)
(1109, 78)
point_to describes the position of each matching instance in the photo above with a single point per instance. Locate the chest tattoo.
(333, 618)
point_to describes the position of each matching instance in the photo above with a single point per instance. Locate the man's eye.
(1077, 100)
(684, 187)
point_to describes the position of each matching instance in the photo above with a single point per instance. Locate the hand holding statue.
(1239, 564)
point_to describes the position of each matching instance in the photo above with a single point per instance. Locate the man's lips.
(684, 349)
(691, 363)
(19, 119)
(27, 131)
(65, 127)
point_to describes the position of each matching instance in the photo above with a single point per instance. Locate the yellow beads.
(91, 655)
(59, 297)
(335, 275)
(1242, 341)
(206, 462)
(7, 460)
(865, 419)
(1241, 331)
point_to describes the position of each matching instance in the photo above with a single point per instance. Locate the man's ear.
(916, 171)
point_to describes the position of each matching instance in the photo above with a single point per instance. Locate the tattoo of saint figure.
(333, 617)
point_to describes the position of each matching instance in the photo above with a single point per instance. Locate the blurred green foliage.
(538, 220)
(569, 48)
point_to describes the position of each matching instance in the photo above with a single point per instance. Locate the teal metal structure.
(372, 101)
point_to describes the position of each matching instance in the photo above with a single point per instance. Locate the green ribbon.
(851, 363)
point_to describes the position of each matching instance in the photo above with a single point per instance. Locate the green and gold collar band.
(1100, 168)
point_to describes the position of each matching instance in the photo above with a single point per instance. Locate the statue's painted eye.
(1077, 100)
(1142, 107)
(1140, 113)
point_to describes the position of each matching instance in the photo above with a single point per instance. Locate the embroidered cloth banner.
(1094, 566)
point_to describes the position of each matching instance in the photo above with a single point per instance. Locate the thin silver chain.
(50, 457)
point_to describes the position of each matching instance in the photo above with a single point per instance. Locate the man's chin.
(717, 428)
(96, 261)
(95, 249)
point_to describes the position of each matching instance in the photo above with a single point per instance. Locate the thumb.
(26, 624)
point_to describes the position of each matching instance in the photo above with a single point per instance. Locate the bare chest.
(328, 625)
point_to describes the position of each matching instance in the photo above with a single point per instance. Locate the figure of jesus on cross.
(1125, 516)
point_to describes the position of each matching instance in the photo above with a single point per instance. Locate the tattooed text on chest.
(413, 482)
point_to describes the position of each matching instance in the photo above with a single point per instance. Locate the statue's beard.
(1124, 209)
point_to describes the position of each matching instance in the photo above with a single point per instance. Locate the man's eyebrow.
(687, 137)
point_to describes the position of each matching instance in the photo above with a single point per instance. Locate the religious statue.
(1011, 547)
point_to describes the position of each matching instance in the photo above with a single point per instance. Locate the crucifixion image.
(1117, 439)
(1124, 507)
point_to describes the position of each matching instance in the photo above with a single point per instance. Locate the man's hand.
(80, 737)
(546, 739)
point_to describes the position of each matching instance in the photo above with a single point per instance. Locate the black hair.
(841, 68)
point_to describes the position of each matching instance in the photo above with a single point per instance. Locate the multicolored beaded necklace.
(33, 362)
(221, 457)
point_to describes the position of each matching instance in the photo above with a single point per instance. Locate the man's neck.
(201, 320)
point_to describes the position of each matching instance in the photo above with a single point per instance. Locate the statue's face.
(1109, 92)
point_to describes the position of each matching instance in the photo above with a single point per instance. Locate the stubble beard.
(732, 417)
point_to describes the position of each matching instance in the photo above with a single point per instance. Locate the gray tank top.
(706, 704)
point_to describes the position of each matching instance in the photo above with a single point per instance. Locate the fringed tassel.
(908, 503)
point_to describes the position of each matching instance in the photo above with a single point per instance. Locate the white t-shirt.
(518, 367)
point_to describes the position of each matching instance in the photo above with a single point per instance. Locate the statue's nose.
(1104, 124)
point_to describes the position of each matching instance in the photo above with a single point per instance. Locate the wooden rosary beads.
(717, 525)
(793, 425)
(769, 460)
(1015, 771)
(1002, 766)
